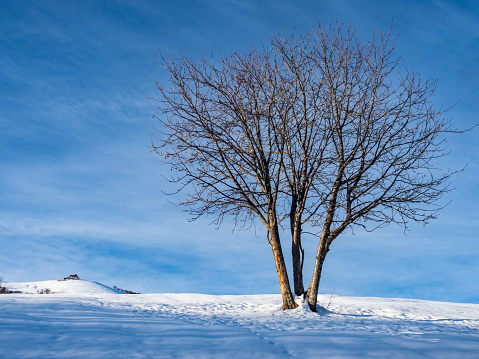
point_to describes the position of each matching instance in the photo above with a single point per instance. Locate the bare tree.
(366, 142)
(316, 130)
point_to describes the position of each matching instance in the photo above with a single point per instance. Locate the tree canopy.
(318, 130)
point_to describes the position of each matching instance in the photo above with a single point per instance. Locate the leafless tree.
(317, 129)
(366, 142)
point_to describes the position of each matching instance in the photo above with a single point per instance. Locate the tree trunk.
(318, 267)
(296, 250)
(297, 255)
(323, 246)
(288, 300)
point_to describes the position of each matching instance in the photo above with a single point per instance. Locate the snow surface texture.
(104, 325)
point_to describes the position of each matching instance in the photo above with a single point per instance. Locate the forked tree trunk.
(287, 295)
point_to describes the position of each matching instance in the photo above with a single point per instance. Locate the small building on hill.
(71, 277)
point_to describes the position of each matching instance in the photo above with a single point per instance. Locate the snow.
(93, 324)
(62, 286)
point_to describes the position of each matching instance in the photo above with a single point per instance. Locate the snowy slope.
(207, 326)
(61, 287)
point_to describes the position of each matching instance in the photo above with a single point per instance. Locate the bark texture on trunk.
(287, 295)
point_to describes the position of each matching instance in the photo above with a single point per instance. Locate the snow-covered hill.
(61, 287)
(197, 326)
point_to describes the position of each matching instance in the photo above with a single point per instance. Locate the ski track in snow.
(207, 326)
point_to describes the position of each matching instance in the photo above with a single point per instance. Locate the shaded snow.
(207, 326)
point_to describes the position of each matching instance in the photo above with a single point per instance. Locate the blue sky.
(79, 192)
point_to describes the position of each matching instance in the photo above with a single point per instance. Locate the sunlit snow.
(88, 320)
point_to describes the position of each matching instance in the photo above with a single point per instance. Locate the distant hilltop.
(68, 285)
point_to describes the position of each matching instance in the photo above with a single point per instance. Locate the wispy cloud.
(79, 193)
